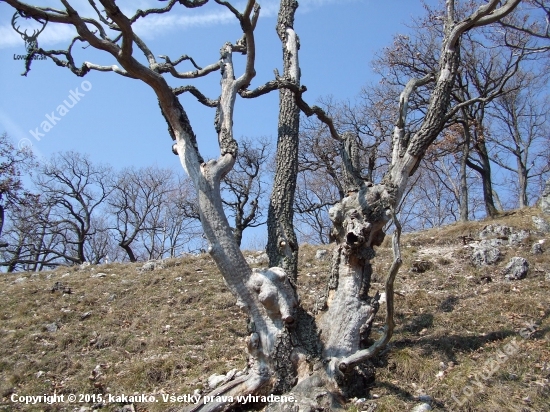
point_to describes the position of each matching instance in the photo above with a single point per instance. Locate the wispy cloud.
(154, 25)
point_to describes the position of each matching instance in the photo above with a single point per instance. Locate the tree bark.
(464, 209)
(282, 246)
(484, 170)
(128, 250)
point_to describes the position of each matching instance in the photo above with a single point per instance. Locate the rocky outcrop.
(541, 224)
(516, 269)
(485, 255)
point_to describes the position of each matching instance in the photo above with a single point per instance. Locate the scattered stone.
(20, 280)
(39, 374)
(536, 249)
(541, 224)
(360, 401)
(321, 254)
(483, 256)
(496, 242)
(59, 287)
(148, 266)
(369, 406)
(517, 237)
(495, 230)
(516, 269)
(128, 408)
(178, 279)
(485, 279)
(382, 298)
(421, 266)
(85, 315)
(84, 266)
(151, 265)
(425, 398)
(215, 380)
(545, 199)
(422, 407)
(261, 259)
(65, 275)
(51, 327)
(99, 275)
(547, 277)
(112, 297)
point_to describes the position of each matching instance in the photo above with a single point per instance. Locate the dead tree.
(317, 359)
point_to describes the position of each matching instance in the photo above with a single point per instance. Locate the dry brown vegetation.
(167, 330)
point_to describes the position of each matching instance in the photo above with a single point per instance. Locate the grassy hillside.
(463, 339)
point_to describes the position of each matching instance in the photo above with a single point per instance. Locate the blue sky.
(117, 120)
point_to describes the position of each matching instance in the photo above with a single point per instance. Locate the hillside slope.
(466, 339)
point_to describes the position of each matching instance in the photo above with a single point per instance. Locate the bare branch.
(307, 109)
(196, 92)
(484, 15)
(170, 67)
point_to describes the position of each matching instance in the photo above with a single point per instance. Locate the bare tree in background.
(318, 359)
(520, 131)
(137, 194)
(13, 161)
(488, 64)
(182, 230)
(243, 188)
(73, 188)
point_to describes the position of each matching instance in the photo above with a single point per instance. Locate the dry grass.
(167, 330)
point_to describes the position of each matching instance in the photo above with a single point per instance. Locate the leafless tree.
(73, 188)
(100, 244)
(181, 230)
(137, 194)
(288, 349)
(488, 64)
(13, 162)
(32, 246)
(243, 188)
(520, 131)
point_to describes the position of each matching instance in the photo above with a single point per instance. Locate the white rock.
(422, 407)
(215, 380)
(516, 269)
(321, 254)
